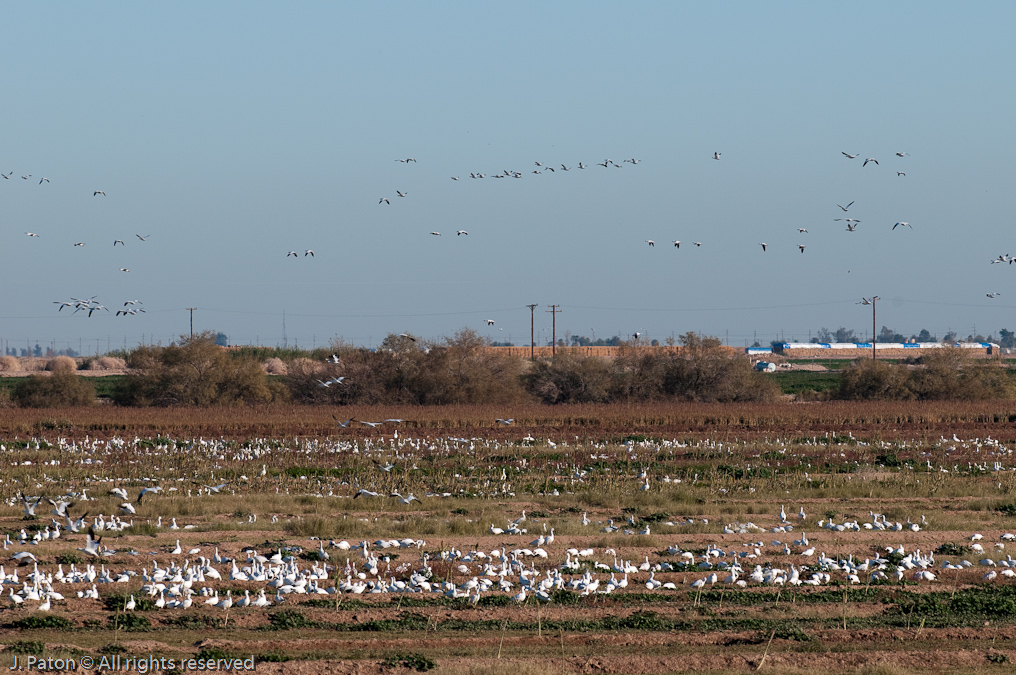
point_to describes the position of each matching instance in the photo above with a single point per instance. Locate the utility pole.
(554, 311)
(191, 310)
(873, 299)
(532, 331)
(866, 301)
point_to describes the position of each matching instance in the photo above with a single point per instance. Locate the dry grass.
(106, 363)
(275, 366)
(61, 364)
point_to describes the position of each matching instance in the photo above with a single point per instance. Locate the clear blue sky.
(233, 133)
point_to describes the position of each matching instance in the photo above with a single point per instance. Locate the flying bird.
(901, 154)
(870, 159)
(848, 156)
(993, 295)
(43, 180)
(903, 223)
(802, 230)
(461, 232)
(697, 243)
(716, 155)
(407, 336)
(99, 192)
(341, 423)
(406, 160)
(846, 207)
(490, 322)
(763, 245)
(80, 243)
(384, 200)
(308, 252)
(293, 253)
(651, 242)
(436, 234)
(144, 238)
(454, 177)
(31, 234)
(900, 173)
(801, 246)
(118, 241)
(677, 243)
(401, 194)
(124, 269)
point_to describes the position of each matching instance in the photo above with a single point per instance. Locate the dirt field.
(888, 496)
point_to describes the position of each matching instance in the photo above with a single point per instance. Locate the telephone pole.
(191, 310)
(554, 311)
(873, 299)
(532, 331)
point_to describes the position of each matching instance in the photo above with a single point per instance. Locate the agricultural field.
(851, 537)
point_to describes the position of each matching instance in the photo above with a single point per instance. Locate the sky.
(235, 132)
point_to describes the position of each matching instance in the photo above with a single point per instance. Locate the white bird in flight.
(436, 234)
(846, 207)
(384, 200)
(99, 192)
(677, 243)
(763, 245)
(144, 238)
(490, 322)
(716, 155)
(401, 194)
(461, 232)
(651, 242)
(993, 295)
(31, 234)
(118, 241)
(802, 230)
(848, 156)
(801, 246)
(903, 223)
(870, 159)
(308, 252)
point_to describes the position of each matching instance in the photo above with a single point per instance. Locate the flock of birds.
(90, 305)
(851, 223)
(177, 577)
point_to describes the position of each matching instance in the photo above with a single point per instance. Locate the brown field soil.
(707, 466)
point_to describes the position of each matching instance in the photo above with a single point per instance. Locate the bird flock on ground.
(177, 577)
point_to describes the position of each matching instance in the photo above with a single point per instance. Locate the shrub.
(198, 372)
(570, 378)
(875, 380)
(54, 391)
(9, 364)
(61, 364)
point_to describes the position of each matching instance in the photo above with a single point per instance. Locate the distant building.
(849, 350)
